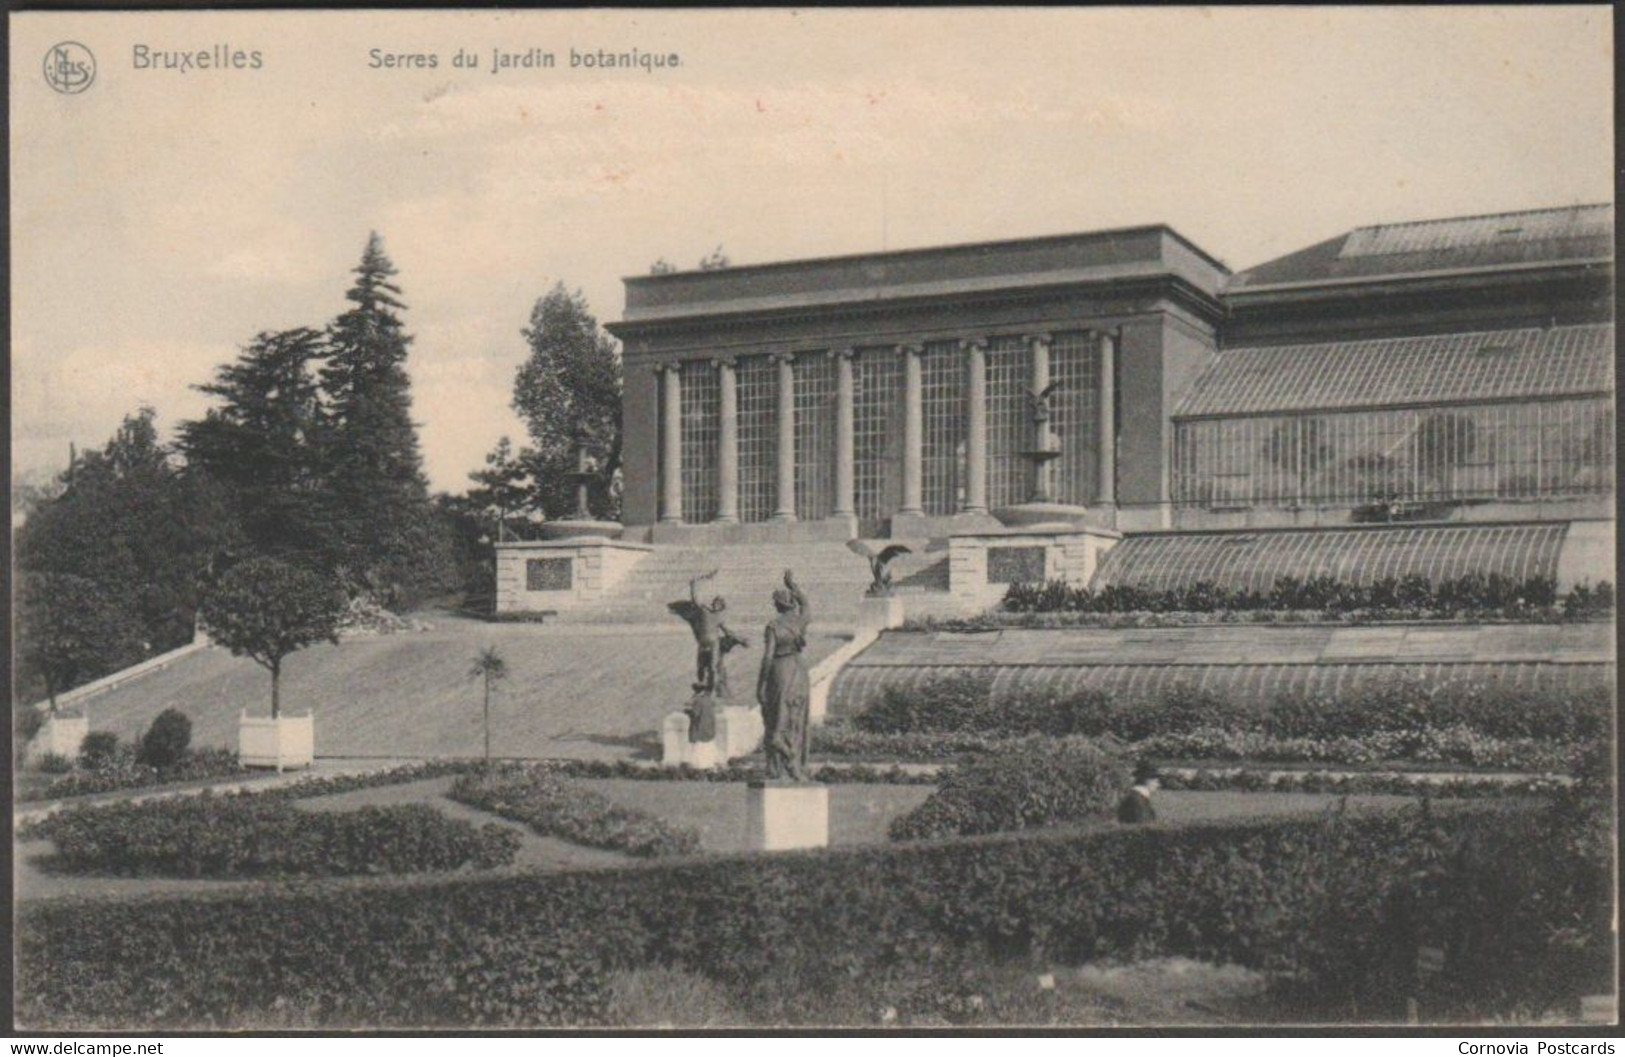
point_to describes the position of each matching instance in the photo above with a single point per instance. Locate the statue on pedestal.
(879, 565)
(713, 641)
(783, 687)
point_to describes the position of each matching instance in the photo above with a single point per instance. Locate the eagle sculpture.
(878, 562)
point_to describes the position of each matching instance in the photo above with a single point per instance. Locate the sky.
(161, 218)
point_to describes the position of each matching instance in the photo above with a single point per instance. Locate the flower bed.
(121, 770)
(555, 808)
(1338, 904)
(248, 835)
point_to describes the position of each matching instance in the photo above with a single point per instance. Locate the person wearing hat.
(1136, 803)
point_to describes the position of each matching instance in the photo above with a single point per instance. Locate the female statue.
(783, 689)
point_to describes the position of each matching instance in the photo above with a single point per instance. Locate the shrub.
(164, 744)
(941, 702)
(556, 808)
(1339, 902)
(98, 749)
(245, 835)
(53, 763)
(1036, 782)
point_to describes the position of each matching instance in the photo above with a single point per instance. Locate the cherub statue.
(712, 638)
(878, 564)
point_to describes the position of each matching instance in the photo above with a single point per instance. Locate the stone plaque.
(548, 574)
(1015, 565)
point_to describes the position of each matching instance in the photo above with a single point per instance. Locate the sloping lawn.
(573, 691)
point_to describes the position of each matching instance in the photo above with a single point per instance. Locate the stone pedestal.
(780, 816)
(675, 748)
(880, 613)
(739, 733)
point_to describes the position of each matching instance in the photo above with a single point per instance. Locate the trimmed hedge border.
(965, 703)
(1410, 597)
(245, 836)
(1338, 905)
(552, 807)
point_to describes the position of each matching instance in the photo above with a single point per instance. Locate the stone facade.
(888, 394)
(539, 576)
(982, 566)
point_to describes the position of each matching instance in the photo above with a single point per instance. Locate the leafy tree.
(569, 387)
(489, 667)
(69, 632)
(265, 608)
(132, 524)
(377, 499)
(259, 443)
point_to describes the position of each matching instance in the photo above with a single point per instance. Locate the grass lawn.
(576, 691)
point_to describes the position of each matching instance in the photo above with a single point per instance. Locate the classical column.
(913, 433)
(671, 443)
(1106, 426)
(1043, 436)
(727, 441)
(976, 427)
(846, 504)
(786, 508)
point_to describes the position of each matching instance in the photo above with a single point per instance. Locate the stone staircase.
(833, 577)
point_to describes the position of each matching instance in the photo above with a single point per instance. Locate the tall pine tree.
(260, 444)
(387, 539)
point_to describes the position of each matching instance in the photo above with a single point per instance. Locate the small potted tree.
(69, 632)
(490, 667)
(266, 609)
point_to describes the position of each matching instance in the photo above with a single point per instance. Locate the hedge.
(965, 703)
(1338, 904)
(1415, 596)
(1023, 784)
(556, 808)
(245, 835)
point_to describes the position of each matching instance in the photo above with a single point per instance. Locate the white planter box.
(284, 742)
(61, 736)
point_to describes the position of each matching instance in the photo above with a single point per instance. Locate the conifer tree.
(260, 443)
(378, 512)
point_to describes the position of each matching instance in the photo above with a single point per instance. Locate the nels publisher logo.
(69, 67)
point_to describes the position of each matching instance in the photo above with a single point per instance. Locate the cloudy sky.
(162, 218)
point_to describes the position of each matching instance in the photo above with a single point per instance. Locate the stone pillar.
(727, 442)
(1106, 426)
(1043, 435)
(785, 510)
(845, 452)
(913, 433)
(976, 427)
(671, 443)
